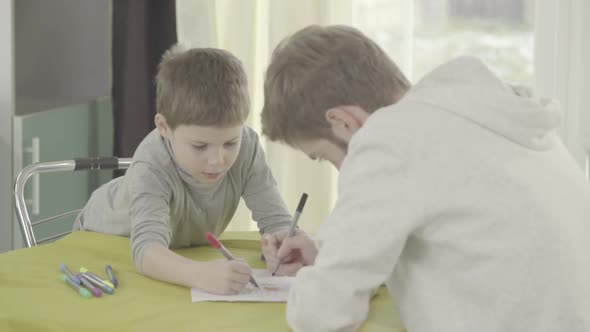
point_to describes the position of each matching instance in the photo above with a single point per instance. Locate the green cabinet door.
(65, 133)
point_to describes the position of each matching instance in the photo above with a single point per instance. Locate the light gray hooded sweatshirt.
(462, 199)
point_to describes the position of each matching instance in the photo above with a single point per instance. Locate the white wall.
(74, 40)
(6, 111)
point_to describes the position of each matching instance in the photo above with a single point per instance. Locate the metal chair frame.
(82, 164)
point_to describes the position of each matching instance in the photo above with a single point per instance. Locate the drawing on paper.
(272, 289)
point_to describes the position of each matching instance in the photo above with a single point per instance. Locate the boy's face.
(332, 150)
(206, 153)
(344, 121)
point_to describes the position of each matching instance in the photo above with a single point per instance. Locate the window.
(422, 34)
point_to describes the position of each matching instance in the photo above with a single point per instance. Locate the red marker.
(217, 245)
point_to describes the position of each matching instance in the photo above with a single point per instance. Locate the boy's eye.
(230, 144)
(200, 147)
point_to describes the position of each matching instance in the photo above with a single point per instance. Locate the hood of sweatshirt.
(467, 87)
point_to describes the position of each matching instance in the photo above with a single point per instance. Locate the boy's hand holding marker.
(225, 277)
(288, 251)
(228, 276)
(300, 248)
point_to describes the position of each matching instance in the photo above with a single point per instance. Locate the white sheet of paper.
(272, 289)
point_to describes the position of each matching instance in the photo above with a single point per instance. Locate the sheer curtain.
(562, 64)
(540, 43)
(251, 29)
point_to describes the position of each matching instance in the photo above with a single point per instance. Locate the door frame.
(17, 157)
(7, 105)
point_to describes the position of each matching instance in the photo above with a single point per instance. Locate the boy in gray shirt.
(188, 175)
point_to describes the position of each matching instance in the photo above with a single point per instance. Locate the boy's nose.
(216, 157)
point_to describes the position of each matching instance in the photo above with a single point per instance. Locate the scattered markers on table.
(89, 284)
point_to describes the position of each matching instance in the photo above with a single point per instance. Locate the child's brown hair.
(319, 68)
(202, 86)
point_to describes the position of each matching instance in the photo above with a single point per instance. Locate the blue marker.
(111, 275)
(83, 291)
(97, 277)
(69, 273)
(96, 283)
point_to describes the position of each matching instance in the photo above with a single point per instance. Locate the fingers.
(269, 252)
(240, 273)
(226, 276)
(240, 266)
(232, 288)
(237, 287)
(289, 269)
(291, 256)
(280, 235)
(264, 240)
(302, 245)
(272, 242)
(275, 239)
(270, 245)
(239, 278)
(288, 246)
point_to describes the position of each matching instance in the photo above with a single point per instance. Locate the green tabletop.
(33, 299)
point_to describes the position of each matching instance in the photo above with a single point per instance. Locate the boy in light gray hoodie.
(457, 193)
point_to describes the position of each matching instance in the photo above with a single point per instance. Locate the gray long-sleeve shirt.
(156, 201)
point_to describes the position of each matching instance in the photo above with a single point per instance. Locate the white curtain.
(251, 29)
(562, 67)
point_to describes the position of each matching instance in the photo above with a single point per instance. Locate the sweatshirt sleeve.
(359, 244)
(261, 194)
(149, 209)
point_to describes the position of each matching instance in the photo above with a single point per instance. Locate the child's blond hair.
(319, 68)
(202, 86)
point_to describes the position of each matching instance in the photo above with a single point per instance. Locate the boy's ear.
(346, 120)
(162, 125)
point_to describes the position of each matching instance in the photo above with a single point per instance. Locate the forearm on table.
(161, 263)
